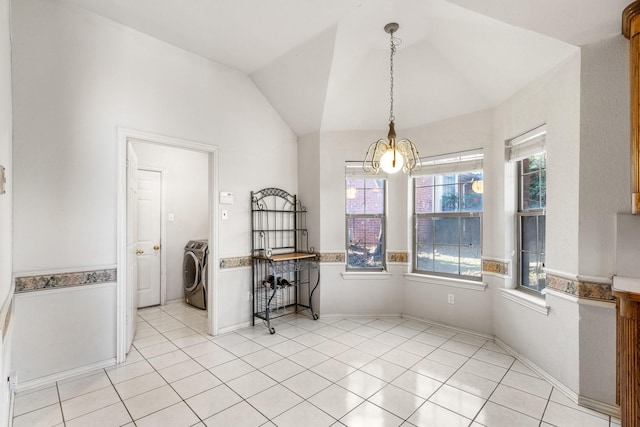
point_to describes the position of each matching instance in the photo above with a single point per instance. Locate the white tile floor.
(351, 372)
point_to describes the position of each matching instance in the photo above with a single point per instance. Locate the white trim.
(535, 368)
(559, 294)
(562, 274)
(232, 328)
(362, 316)
(336, 263)
(163, 228)
(452, 328)
(64, 375)
(572, 395)
(446, 281)
(602, 280)
(579, 300)
(398, 263)
(74, 288)
(595, 279)
(597, 303)
(243, 267)
(527, 144)
(63, 271)
(368, 275)
(125, 135)
(526, 300)
(603, 408)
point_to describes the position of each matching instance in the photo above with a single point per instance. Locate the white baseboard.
(572, 395)
(64, 375)
(605, 408)
(360, 316)
(232, 328)
(453, 328)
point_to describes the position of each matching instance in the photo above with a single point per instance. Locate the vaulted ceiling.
(324, 64)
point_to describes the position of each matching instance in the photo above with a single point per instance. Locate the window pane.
(470, 231)
(529, 233)
(449, 244)
(448, 197)
(355, 182)
(533, 183)
(424, 199)
(471, 261)
(424, 257)
(446, 259)
(529, 277)
(446, 231)
(365, 243)
(424, 230)
(542, 233)
(543, 188)
(423, 181)
(374, 201)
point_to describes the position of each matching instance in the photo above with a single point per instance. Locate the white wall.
(309, 195)
(551, 341)
(186, 196)
(604, 192)
(6, 233)
(50, 318)
(604, 146)
(77, 78)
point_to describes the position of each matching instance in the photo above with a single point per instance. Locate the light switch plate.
(226, 198)
(3, 180)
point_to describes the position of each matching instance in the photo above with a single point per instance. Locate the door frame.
(163, 227)
(125, 135)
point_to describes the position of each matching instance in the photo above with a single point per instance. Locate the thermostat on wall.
(226, 198)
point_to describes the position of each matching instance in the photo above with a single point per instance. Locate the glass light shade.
(386, 161)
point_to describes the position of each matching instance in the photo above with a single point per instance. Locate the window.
(448, 217)
(532, 202)
(528, 152)
(365, 221)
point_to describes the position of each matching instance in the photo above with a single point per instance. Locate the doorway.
(125, 300)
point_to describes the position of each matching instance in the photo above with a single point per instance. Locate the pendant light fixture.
(390, 154)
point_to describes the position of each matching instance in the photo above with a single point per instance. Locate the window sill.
(535, 303)
(446, 281)
(366, 275)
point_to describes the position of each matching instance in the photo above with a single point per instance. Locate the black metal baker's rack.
(283, 264)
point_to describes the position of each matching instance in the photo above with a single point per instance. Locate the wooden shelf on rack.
(289, 256)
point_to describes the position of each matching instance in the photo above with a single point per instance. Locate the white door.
(148, 247)
(132, 239)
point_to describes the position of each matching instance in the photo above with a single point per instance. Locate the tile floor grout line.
(252, 335)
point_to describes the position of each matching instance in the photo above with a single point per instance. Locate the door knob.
(156, 247)
(139, 251)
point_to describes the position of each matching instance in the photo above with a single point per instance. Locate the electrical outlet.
(249, 296)
(450, 299)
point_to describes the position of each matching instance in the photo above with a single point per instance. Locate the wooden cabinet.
(627, 293)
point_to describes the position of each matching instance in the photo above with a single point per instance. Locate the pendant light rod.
(391, 155)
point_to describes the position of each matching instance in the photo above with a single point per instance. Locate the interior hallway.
(330, 372)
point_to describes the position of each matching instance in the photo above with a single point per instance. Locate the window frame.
(383, 224)
(446, 214)
(522, 213)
